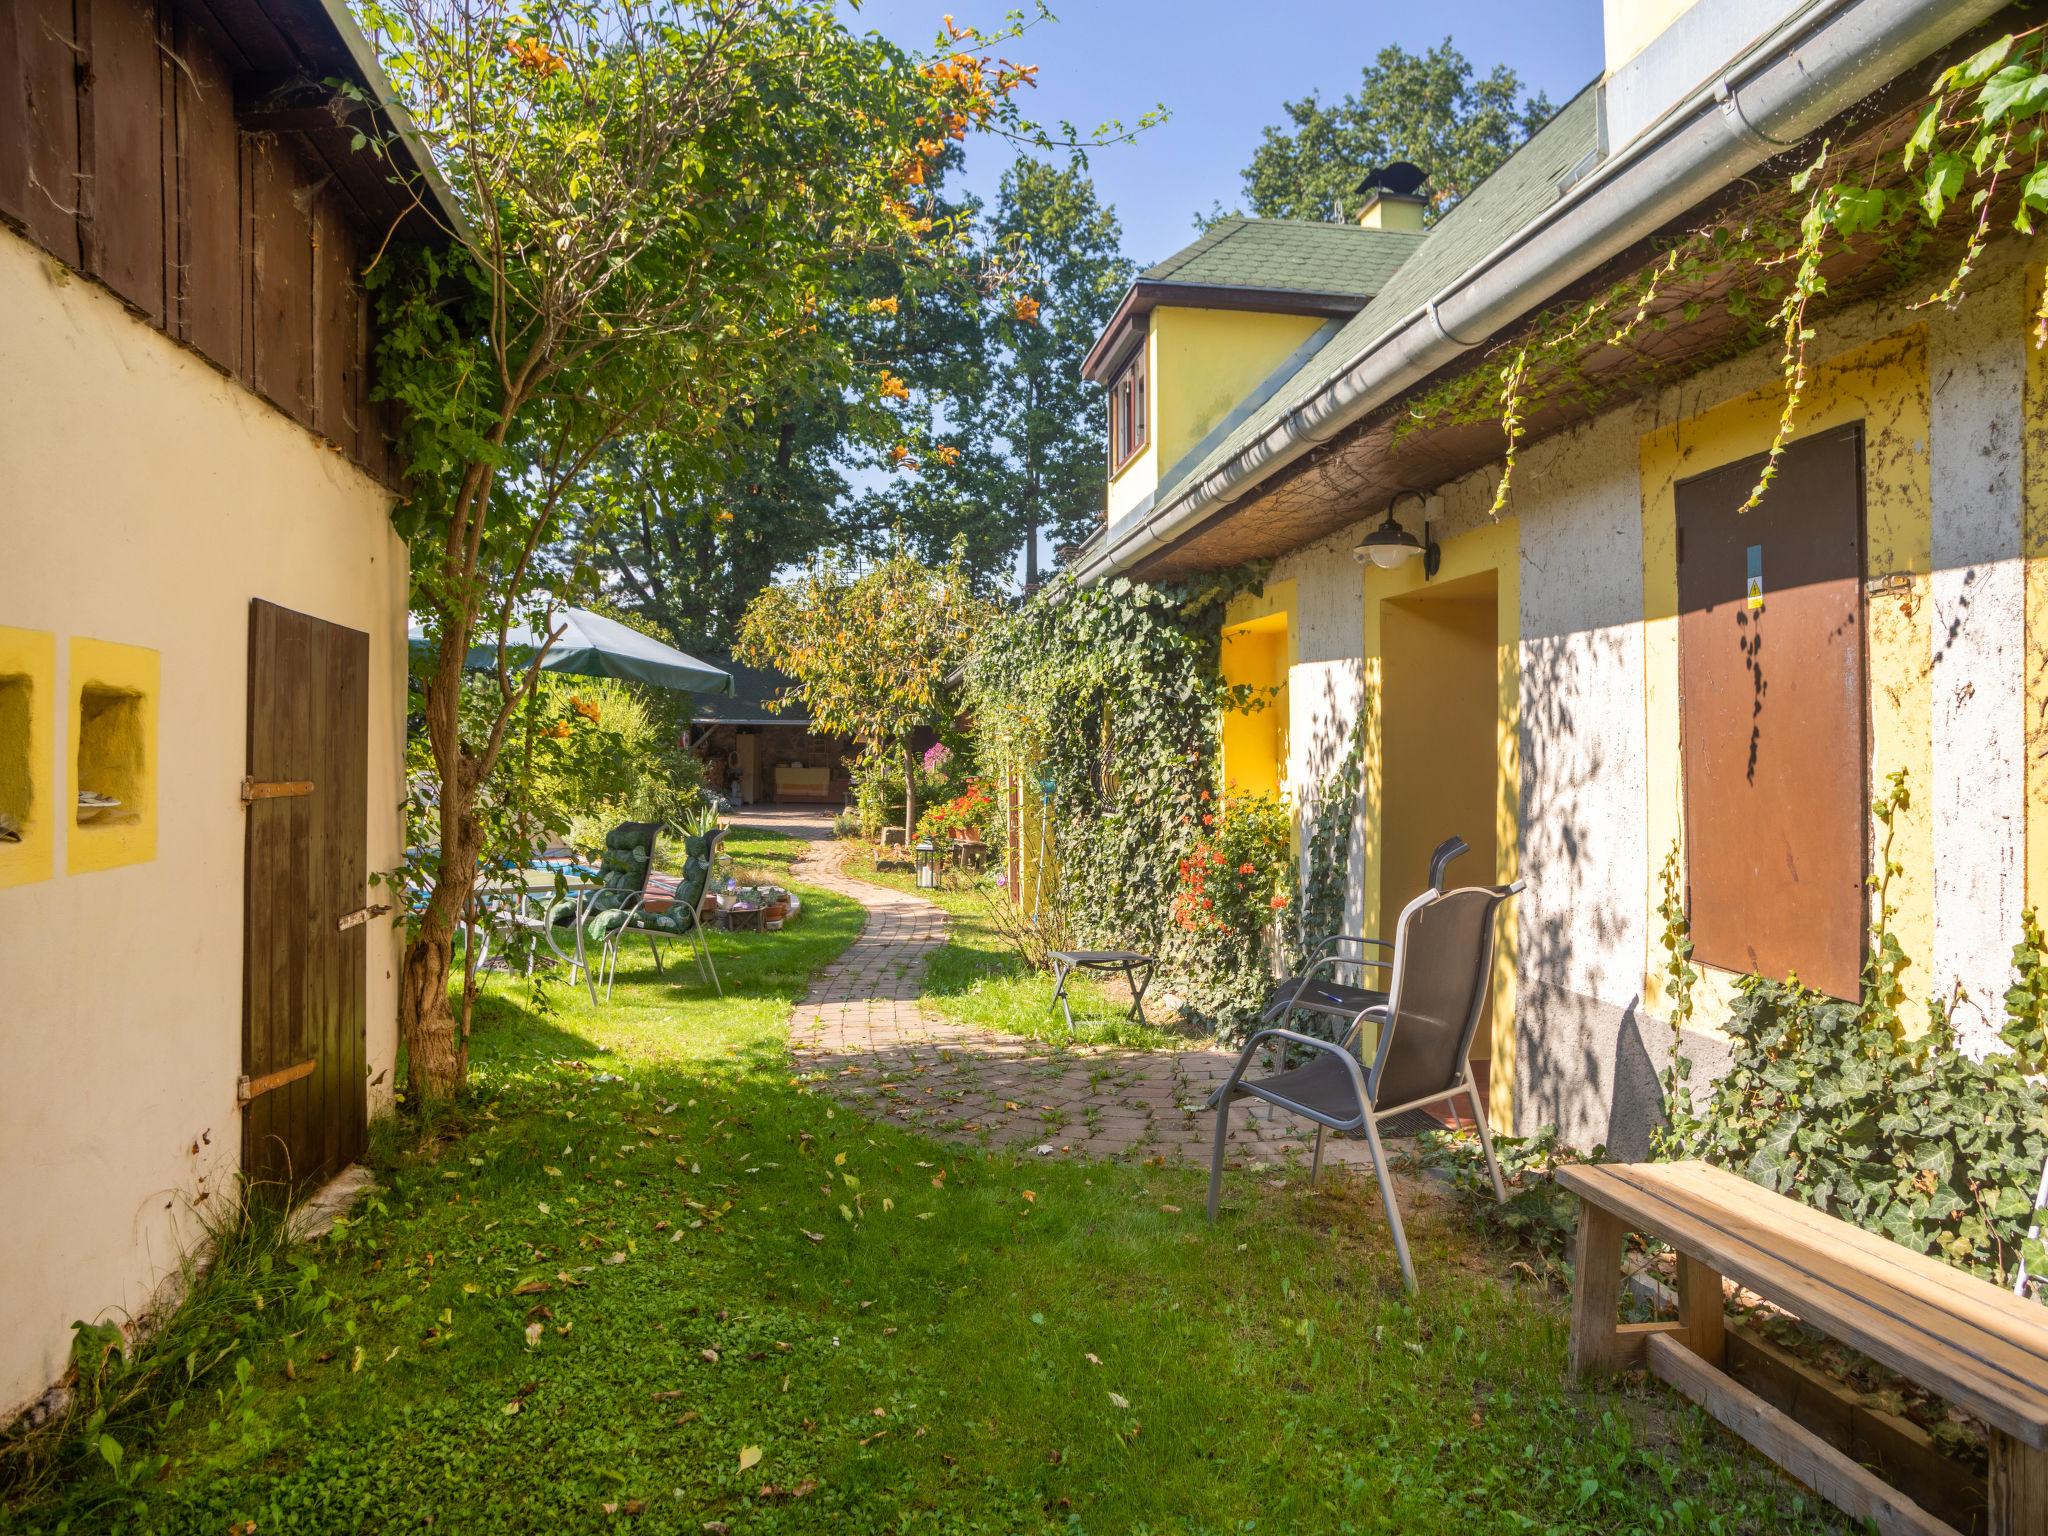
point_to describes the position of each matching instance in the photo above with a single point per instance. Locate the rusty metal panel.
(39, 123)
(1773, 716)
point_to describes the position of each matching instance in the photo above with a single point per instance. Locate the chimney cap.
(1398, 178)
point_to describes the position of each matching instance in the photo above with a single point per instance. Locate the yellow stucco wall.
(28, 727)
(1884, 385)
(1202, 363)
(147, 500)
(1259, 644)
(1490, 549)
(127, 677)
(2034, 511)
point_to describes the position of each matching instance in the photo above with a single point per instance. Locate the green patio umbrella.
(591, 645)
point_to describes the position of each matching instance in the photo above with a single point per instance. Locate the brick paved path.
(862, 1030)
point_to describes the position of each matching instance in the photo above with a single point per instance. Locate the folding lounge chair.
(1443, 957)
(680, 918)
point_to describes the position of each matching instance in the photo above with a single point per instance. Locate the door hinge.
(358, 918)
(247, 1087)
(274, 789)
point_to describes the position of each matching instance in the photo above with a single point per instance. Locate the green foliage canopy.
(1431, 108)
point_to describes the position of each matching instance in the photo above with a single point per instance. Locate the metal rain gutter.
(1787, 86)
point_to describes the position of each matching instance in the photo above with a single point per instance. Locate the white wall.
(145, 499)
(1977, 366)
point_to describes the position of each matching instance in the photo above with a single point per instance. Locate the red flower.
(1207, 819)
(1279, 902)
(1246, 869)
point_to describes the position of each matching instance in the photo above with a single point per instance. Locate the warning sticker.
(1753, 587)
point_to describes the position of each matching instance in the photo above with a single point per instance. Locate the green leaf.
(1943, 180)
(1981, 63)
(1922, 140)
(2014, 92)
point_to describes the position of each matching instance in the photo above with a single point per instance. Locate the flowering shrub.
(1234, 878)
(936, 756)
(965, 814)
(1236, 875)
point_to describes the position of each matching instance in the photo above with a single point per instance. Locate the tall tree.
(1003, 439)
(1069, 252)
(658, 194)
(1429, 108)
(871, 649)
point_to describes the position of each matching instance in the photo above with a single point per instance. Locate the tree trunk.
(909, 795)
(436, 1056)
(436, 1048)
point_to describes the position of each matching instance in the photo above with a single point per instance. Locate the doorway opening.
(1440, 746)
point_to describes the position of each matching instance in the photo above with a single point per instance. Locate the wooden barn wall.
(121, 155)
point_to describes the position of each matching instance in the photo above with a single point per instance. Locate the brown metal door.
(303, 970)
(1771, 667)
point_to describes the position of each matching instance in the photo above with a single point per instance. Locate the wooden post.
(1596, 1291)
(2018, 1504)
(1702, 1322)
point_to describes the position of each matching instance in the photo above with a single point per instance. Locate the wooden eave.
(1362, 467)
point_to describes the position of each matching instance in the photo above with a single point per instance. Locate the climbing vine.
(1326, 847)
(1106, 702)
(1976, 145)
(1832, 1103)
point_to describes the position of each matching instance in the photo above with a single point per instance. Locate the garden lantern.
(927, 866)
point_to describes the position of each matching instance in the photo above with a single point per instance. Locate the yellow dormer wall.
(1202, 363)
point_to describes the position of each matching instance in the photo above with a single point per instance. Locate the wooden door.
(303, 959)
(1771, 684)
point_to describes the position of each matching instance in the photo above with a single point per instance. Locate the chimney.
(1393, 198)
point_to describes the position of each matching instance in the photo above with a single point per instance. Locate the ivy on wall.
(1977, 146)
(1113, 697)
(1831, 1103)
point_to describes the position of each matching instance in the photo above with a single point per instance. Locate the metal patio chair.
(1443, 957)
(1309, 991)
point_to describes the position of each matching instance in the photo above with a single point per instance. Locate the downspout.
(1825, 56)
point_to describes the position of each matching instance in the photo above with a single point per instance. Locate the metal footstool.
(1136, 968)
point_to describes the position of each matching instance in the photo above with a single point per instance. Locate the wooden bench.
(1977, 1346)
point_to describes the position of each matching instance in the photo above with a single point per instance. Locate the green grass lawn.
(978, 978)
(649, 1283)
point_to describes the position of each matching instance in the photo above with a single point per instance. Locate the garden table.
(1136, 968)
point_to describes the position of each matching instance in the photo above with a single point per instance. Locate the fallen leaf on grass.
(816, 1237)
(669, 1397)
(1031, 1196)
(531, 1288)
(1118, 1400)
(708, 1356)
(514, 1406)
(1094, 1359)
(1170, 1210)
(750, 1456)
(533, 1333)
(616, 1258)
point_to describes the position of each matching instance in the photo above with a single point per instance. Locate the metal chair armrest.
(1295, 1037)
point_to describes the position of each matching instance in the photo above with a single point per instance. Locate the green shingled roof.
(1495, 211)
(1297, 255)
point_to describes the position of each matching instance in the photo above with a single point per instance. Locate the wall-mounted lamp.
(1390, 545)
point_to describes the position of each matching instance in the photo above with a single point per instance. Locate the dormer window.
(1129, 414)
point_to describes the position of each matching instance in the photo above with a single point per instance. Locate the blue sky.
(1222, 68)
